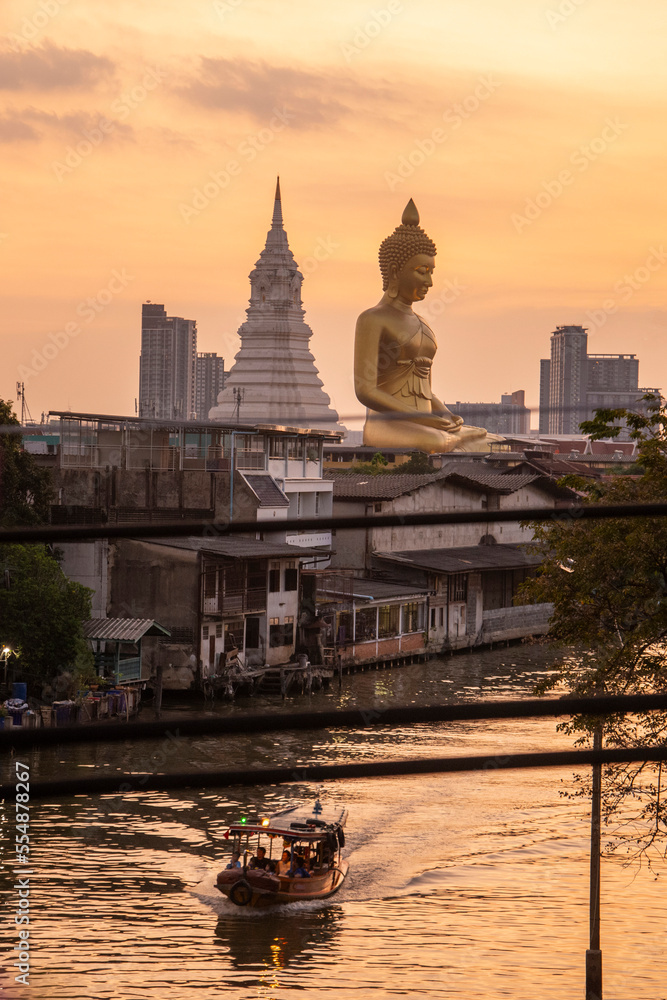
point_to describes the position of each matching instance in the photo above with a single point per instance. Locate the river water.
(461, 886)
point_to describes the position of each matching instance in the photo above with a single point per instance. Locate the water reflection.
(275, 938)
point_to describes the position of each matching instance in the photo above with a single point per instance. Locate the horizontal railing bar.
(125, 783)
(207, 528)
(19, 738)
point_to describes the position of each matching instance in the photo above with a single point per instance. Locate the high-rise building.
(274, 378)
(167, 366)
(209, 383)
(573, 383)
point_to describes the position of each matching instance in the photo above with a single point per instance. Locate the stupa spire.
(277, 220)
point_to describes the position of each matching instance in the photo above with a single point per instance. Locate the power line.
(208, 528)
(531, 708)
(125, 783)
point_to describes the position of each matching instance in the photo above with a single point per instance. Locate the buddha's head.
(407, 241)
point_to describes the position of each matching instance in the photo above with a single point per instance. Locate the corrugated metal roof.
(122, 629)
(374, 590)
(266, 490)
(466, 558)
(236, 547)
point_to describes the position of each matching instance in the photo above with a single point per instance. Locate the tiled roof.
(479, 474)
(122, 629)
(475, 476)
(383, 486)
(266, 490)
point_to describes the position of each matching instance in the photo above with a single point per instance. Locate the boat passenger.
(299, 870)
(271, 866)
(285, 863)
(260, 860)
(235, 863)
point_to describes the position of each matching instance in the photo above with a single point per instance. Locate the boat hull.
(259, 889)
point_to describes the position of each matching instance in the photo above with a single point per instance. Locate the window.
(377, 507)
(277, 447)
(281, 635)
(291, 576)
(344, 627)
(317, 505)
(442, 617)
(432, 617)
(366, 624)
(412, 617)
(274, 577)
(458, 587)
(295, 448)
(210, 583)
(218, 630)
(204, 632)
(389, 618)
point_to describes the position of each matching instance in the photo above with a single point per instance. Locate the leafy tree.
(418, 463)
(607, 581)
(377, 464)
(41, 612)
(25, 488)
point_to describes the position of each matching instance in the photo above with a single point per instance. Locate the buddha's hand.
(442, 423)
(454, 419)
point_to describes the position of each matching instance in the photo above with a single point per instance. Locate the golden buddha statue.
(393, 352)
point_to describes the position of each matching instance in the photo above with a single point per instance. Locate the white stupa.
(274, 378)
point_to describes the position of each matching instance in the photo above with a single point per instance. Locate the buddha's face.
(415, 278)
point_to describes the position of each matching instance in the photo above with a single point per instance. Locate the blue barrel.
(20, 690)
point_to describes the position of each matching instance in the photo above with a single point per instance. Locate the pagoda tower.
(274, 378)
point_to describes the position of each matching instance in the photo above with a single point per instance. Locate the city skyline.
(140, 149)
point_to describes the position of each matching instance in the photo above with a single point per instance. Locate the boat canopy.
(295, 823)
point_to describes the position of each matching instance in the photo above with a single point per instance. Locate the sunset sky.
(530, 133)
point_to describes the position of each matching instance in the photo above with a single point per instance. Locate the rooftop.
(237, 547)
(466, 558)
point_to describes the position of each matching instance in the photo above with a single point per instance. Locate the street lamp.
(5, 653)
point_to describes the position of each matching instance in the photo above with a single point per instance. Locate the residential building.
(209, 382)
(573, 383)
(167, 367)
(509, 416)
(274, 378)
(216, 596)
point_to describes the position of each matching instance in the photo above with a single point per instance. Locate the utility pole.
(594, 954)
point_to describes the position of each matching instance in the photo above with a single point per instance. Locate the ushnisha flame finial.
(410, 215)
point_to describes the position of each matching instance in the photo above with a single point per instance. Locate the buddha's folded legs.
(397, 432)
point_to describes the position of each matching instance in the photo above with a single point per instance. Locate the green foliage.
(607, 581)
(377, 464)
(25, 488)
(418, 463)
(41, 612)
